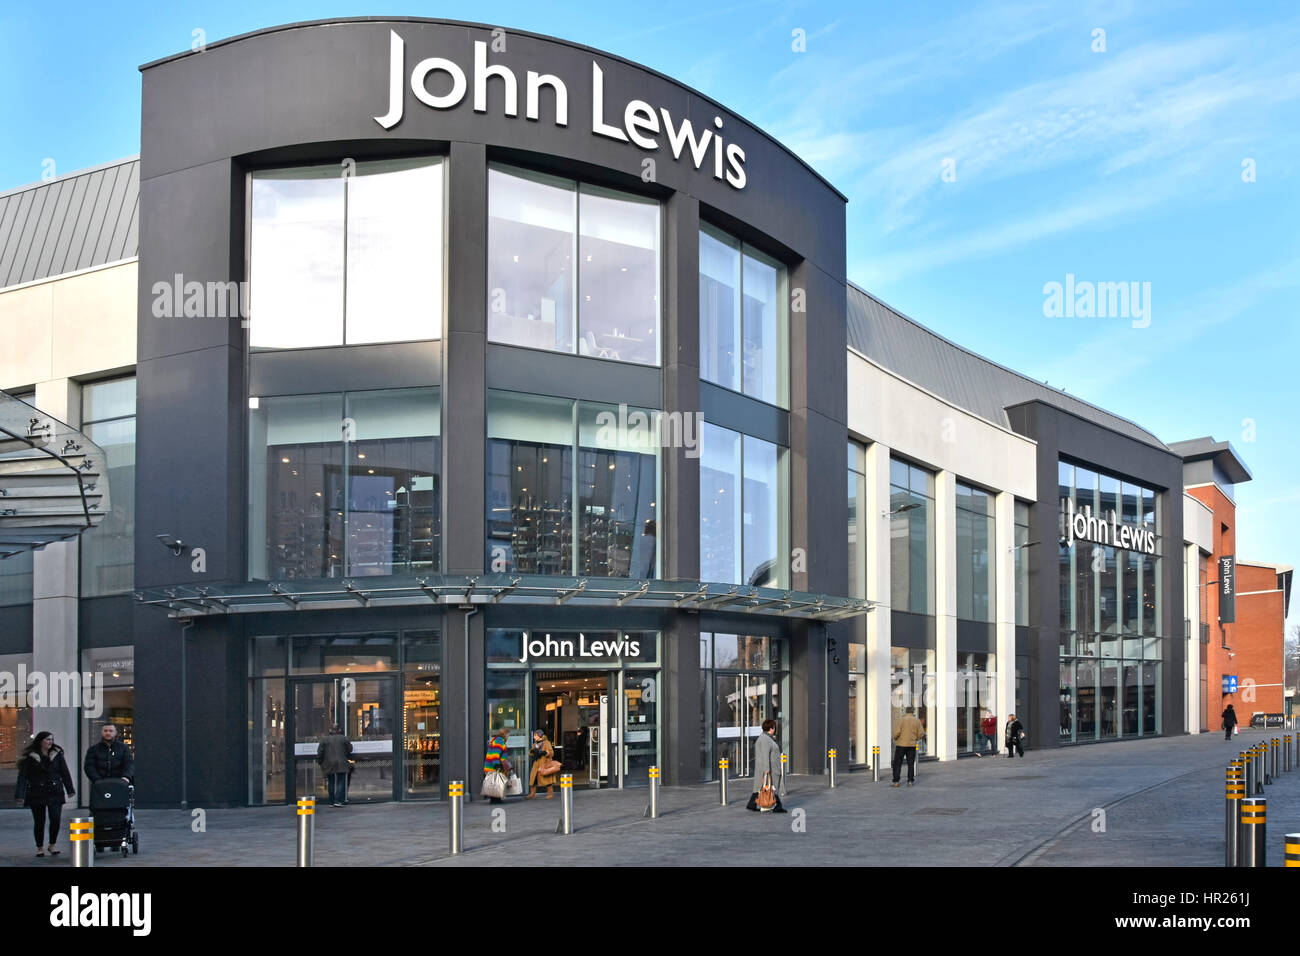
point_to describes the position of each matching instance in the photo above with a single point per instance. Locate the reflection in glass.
(394, 240)
(720, 505)
(618, 280)
(296, 259)
(765, 348)
(616, 493)
(337, 260)
(719, 308)
(761, 515)
(531, 228)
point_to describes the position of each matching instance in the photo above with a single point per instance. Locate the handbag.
(766, 794)
(494, 784)
(513, 786)
(549, 768)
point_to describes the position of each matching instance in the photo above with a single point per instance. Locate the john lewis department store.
(543, 415)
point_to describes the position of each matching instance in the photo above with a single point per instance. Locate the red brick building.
(1251, 648)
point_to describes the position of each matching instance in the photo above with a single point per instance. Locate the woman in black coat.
(42, 779)
(1229, 722)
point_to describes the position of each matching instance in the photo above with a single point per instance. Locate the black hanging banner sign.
(1228, 589)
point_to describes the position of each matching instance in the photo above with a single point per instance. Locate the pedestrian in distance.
(43, 778)
(546, 769)
(767, 770)
(333, 754)
(1229, 722)
(909, 732)
(109, 757)
(496, 767)
(1014, 737)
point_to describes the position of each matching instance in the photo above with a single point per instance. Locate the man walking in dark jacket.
(1015, 737)
(109, 758)
(333, 754)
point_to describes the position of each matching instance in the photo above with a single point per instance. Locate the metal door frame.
(291, 724)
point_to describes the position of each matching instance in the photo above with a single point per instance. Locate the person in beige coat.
(542, 753)
(907, 735)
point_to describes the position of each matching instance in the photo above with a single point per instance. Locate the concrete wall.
(895, 416)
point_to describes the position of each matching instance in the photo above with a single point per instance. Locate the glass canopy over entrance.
(397, 591)
(52, 486)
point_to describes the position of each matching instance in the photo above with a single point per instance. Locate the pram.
(112, 805)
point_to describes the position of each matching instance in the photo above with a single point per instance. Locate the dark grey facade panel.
(113, 212)
(950, 371)
(16, 629)
(8, 213)
(590, 379)
(740, 413)
(14, 248)
(354, 368)
(68, 228)
(54, 227)
(98, 213)
(74, 222)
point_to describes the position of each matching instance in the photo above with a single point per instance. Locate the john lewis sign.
(1083, 525)
(636, 122)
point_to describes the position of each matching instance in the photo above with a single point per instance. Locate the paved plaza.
(1162, 801)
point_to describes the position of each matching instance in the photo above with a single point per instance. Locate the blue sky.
(1122, 165)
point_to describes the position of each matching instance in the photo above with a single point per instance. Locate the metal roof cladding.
(968, 380)
(84, 219)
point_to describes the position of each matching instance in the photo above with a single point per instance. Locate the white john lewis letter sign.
(640, 122)
(1083, 525)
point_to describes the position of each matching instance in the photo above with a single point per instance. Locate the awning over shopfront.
(198, 600)
(52, 486)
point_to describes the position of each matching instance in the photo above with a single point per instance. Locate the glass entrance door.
(363, 707)
(574, 710)
(743, 703)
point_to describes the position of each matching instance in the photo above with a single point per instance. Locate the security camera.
(175, 547)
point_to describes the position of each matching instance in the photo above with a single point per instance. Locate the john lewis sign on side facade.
(1083, 525)
(638, 122)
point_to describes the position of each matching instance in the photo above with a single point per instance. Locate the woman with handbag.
(43, 778)
(496, 767)
(767, 771)
(546, 769)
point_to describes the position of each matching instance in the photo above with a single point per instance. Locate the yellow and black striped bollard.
(1292, 855)
(723, 764)
(81, 832)
(830, 762)
(1236, 791)
(652, 811)
(456, 815)
(566, 805)
(1254, 831)
(875, 763)
(307, 831)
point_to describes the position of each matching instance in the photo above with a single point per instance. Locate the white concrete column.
(879, 718)
(54, 595)
(943, 719)
(1192, 602)
(1004, 556)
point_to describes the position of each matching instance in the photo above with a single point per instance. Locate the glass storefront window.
(744, 341)
(538, 502)
(912, 538)
(746, 684)
(572, 267)
(345, 484)
(1022, 563)
(16, 579)
(346, 256)
(744, 520)
(859, 748)
(16, 728)
(976, 587)
(422, 713)
(911, 685)
(108, 555)
(117, 667)
(857, 530)
(1110, 607)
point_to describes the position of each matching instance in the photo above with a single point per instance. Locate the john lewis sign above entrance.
(638, 122)
(1083, 525)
